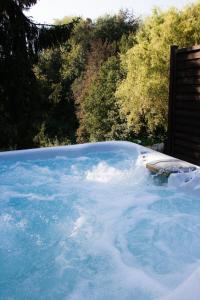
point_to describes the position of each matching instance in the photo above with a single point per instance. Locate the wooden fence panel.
(184, 104)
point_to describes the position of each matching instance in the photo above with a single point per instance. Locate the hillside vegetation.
(107, 80)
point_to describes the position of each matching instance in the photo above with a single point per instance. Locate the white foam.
(188, 290)
(96, 216)
(103, 173)
(77, 225)
(187, 182)
(5, 219)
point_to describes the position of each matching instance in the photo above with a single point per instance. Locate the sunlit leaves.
(143, 94)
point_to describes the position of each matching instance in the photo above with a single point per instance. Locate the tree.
(98, 53)
(143, 94)
(20, 42)
(108, 35)
(110, 28)
(56, 71)
(102, 118)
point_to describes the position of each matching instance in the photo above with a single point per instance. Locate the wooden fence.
(184, 104)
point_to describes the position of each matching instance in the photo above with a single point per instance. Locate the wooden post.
(172, 78)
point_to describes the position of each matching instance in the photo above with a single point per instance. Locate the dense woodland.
(82, 81)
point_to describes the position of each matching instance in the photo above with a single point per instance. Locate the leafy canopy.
(20, 42)
(143, 94)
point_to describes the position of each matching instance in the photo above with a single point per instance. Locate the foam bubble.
(188, 182)
(103, 173)
(77, 225)
(97, 227)
(188, 290)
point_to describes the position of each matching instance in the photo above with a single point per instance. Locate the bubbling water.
(96, 227)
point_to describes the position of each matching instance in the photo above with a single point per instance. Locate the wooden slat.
(189, 89)
(188, 73)
(187, 105)
(189, 49)
(187, 157)
(190, 150)
(188, 144)
(188, 65)
(191, 157)
(188, 81)
(187, 153)
(188, 114)
(187, 137)
(190, 122)
(169, 145)
(188, 56)
(187, 97)
(189, 130)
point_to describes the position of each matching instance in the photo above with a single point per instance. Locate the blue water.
(94, 226)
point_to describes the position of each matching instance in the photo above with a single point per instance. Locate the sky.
(46, 11)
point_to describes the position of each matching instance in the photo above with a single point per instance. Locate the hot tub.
(89, 222)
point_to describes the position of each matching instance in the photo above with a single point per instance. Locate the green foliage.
(143, 94)
(55, 72)
(20, 101)
(106, 37)
(87, 81)
(40, 108)
(102, 118)
(111, 28)
(17, 85)
(44, 140)
(98, 53)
